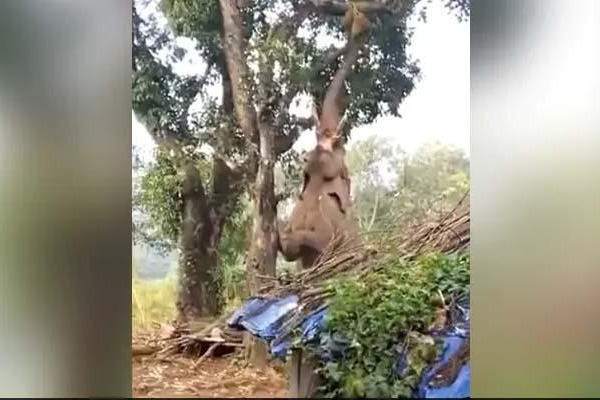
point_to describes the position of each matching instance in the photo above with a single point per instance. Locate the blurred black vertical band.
(535, 136)
(65, 140)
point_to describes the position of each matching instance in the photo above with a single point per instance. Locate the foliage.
(160, 97)
(434, 179)
(159, 199)
(291, 42)
(232, 249)
(199, 19)
(372, 162)
(373, 315)
(392, 187)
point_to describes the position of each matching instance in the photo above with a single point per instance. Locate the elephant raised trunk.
(323, 209)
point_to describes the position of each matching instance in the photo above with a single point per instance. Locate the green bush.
(395, 305)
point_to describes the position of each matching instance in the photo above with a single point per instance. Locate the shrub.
(387, 311)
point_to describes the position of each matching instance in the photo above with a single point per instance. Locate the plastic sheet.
(460, 388)
(310, 328)
(262, 317)
(453, 339)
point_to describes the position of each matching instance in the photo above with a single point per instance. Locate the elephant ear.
(304, 184)
(338, 190)
(338, 200)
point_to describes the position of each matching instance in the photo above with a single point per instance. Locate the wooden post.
(294, 372)
(303, 381)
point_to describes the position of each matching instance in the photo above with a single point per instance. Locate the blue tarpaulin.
(266, 319)
(263, 318)
(453, 339)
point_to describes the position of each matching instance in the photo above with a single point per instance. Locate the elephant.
(321, 212)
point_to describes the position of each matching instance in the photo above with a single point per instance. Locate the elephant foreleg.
(289, 244)
(316, 240)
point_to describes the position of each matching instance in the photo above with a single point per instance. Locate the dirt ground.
(214, 377)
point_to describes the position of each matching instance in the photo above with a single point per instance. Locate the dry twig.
(207, 354)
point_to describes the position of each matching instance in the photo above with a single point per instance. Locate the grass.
(152, 301)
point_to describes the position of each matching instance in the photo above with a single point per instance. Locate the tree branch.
(339, 7)
(237, 68)
(192, 186)
(228, 183)
(164, 115)
(288, 128)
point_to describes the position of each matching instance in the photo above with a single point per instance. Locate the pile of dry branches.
(204, 339)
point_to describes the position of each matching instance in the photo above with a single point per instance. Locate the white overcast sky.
(438, 108)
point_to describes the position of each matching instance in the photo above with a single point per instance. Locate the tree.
(436, 177)
(263, 54)
(196, 195)
(392, 187)
(374, 165)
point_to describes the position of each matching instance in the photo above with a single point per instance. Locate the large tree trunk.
(263, 248)
(200, 281)
(199, 278)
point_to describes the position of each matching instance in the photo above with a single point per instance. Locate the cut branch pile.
(214, 338)
(449, 234)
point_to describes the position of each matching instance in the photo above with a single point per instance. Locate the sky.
(437, 110)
